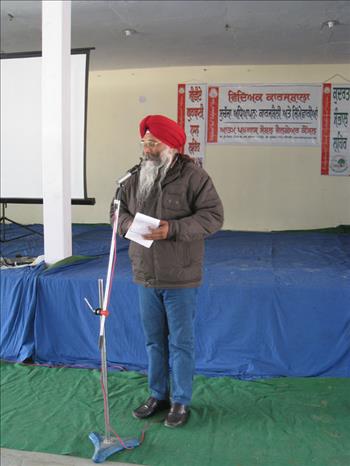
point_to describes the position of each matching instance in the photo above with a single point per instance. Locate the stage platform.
(271, 304)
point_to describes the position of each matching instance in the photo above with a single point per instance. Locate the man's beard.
(152, 170)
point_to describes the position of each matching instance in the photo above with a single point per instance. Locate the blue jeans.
(167, 317)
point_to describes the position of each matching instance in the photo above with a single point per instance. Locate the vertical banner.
(191, 115)
(335, 130)
(326, 127)
(213, 105)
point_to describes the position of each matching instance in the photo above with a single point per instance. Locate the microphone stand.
(109, 444)
(120, 182)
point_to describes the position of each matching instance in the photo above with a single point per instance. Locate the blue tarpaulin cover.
(18, 294)
(271, 304)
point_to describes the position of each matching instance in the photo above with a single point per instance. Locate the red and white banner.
(335, 130)
(278, 114)
(191, 115)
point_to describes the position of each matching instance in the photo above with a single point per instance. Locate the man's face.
(157, 160)
(152, 147)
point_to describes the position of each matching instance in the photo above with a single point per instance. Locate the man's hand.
(159, 233)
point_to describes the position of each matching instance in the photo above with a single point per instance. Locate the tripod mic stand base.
(104, 449)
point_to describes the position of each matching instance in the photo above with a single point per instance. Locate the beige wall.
(262, 188)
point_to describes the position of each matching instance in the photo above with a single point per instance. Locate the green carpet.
(274, 422)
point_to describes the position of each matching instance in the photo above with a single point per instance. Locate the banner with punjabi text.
(191, 115)
(275, 114)
(335, 130)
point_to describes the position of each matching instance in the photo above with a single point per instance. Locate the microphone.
(130, 172)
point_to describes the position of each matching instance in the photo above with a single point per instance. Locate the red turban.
(167, 131)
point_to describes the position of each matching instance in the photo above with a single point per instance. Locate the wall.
(262, 188)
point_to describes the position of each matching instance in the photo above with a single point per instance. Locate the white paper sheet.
(139, 227)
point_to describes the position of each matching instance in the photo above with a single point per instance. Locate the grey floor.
(27, 458)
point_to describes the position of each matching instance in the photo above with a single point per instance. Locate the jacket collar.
(174, 170)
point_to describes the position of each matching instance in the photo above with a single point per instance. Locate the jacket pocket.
(186, 254)
(135, 254)
(175, 206)
(173, 201)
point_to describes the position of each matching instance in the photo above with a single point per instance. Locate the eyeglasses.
(149, 143)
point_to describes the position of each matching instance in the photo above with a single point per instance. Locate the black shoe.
(177, 416)
(150, 407)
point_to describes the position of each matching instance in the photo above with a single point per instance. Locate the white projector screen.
(21, 165)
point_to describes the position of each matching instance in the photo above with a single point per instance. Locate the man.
(172, 188)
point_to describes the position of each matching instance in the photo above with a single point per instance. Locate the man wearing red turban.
(172, 188)
(164, 129)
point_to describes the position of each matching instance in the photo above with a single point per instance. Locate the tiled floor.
(27, 458)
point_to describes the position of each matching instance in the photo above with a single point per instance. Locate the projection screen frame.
(86, 200)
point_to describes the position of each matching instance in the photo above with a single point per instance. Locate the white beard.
(150, 169)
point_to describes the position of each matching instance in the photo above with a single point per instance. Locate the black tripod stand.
(4, 219)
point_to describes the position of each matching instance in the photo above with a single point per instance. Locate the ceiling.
(191, 33)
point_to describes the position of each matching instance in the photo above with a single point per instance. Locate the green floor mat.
(275, 422)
